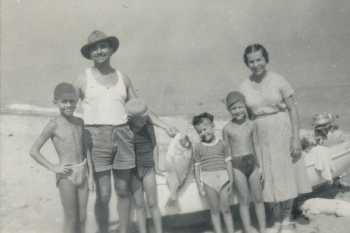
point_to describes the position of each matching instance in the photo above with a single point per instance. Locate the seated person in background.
(326, 131)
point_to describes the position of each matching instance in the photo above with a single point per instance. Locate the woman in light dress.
(271, 100)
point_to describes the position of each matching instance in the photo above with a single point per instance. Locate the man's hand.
(171, 131)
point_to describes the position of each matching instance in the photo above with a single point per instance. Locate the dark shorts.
(112, 147)
(138, 173)
(246, 164)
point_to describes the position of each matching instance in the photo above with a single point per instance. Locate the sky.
(182, 56)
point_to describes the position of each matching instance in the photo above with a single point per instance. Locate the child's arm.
(199, 183)
(151, 131)
(35, 153)
(197, 172)
(156, 157)
(258, 153)
(228, 158)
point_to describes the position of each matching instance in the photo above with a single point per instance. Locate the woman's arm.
(294, 120)
(256, 147)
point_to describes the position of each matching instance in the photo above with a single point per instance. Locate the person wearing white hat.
(104, 92)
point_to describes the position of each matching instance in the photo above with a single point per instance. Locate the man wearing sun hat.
(104, 91)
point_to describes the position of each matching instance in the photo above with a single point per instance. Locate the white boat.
(191, 202)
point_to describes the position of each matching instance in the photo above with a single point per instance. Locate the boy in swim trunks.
(74, 168)
(213, 172)
(239, 136)
(144, 180)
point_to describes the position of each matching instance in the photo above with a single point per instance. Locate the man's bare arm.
(154, 117)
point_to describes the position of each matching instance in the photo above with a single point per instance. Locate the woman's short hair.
(253, 48)
(198, 119)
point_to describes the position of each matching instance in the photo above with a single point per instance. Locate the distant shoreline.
(27, 110)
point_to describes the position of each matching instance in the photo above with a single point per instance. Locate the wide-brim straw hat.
(96, 37)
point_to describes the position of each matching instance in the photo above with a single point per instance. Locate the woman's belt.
(103, 125)
(255, 116)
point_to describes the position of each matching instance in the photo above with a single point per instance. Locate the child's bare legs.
(83, 196)
(243, 191)
(213, 199)
(122, 180)
(69, 200)
(256, 190)
(140, 206)
(150, 187)
(225, 196)
(103, 196)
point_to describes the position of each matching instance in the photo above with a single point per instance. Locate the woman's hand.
(261, 177)
(296, 149)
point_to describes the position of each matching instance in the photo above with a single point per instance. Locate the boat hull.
(190, 201)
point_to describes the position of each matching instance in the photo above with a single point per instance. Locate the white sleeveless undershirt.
(104, 105)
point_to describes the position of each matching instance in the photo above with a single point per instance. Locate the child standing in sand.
(239, 134)
(66, 133)
(213, 172)
(144, 180)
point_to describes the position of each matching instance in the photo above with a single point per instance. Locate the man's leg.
(122, 180)
(103, 196)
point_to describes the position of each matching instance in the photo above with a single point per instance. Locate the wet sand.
(29, 199)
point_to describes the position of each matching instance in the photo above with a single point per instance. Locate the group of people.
(260, 151)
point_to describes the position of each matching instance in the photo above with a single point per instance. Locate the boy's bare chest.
(68, 133)
(241, 132)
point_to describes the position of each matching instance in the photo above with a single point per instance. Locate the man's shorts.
(112, 147)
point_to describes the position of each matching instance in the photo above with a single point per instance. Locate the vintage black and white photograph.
(186, 116)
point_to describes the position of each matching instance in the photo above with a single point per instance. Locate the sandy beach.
(29, 199)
